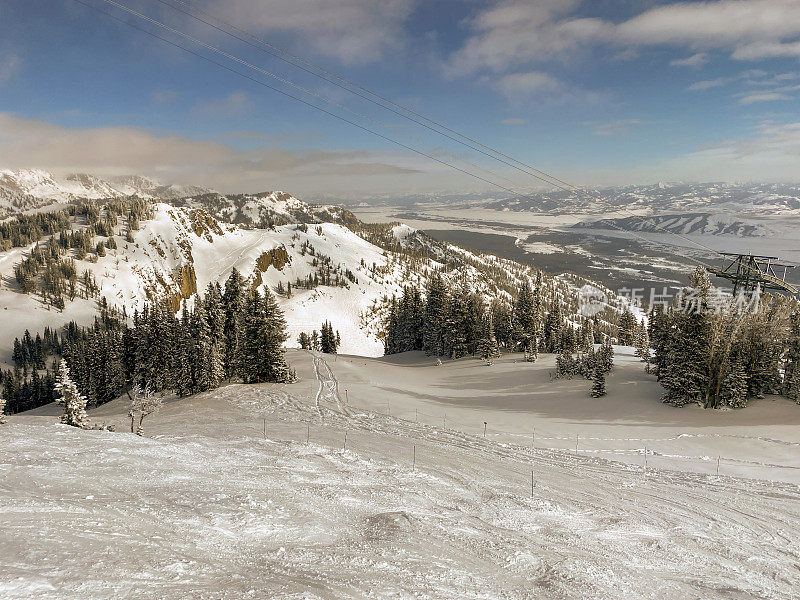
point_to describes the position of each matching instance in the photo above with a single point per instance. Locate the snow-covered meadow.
(372, 478)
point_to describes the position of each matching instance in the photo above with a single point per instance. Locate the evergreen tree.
(734, 386)
(265, 329)
(525, 321)
(203, 350)
(436, 307)
(605, 357)
(489, 349)
(233, 301)
(794, 385)
(2, 409)
(598, 382)
(327, 339)
(74, 403)
(305, 341)
(553, 325)
(627, 328)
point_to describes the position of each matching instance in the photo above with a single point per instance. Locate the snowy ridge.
(736, 198)
(180, 251)
(33, 189)
(266, 209)
(687, 223)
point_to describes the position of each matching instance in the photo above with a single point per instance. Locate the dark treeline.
(717, 356)
(453, 320)
(326, 340)
(235, 333)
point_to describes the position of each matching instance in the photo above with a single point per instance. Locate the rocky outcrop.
(277, 257)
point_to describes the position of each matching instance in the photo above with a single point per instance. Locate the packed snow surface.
(372, 478)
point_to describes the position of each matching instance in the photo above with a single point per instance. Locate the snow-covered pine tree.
(457, 323)
(201, 332)
(184, 355)
(215, 314)
(305, 341)
(525, 321)
(627, 328)
(489, 349)
(792, 369)
(605, 357)
(503, 322)
(275, 337)
(733, 390)
(564, 366)
(436, 306)
(73, 402)
(794, 384)
(598, 382)
(233, 302)
(327, 340)
(265, 333)
(553, 324)
(391, 344)
(2, 410)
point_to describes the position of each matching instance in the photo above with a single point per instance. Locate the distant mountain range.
(32, 189)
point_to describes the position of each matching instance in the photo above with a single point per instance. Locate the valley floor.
(372, 478)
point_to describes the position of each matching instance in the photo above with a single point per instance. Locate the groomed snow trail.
(208, 506)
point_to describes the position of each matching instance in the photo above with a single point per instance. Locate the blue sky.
(597, 92)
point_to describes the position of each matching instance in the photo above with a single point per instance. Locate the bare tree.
(143, 403)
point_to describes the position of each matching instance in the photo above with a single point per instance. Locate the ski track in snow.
(210, 507)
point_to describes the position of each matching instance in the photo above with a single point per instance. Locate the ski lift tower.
(748, 271)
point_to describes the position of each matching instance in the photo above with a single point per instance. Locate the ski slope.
(304, 491)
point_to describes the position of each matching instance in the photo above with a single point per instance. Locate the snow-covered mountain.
(318, 272)
(743, 199)
(33, 189)
(266, 209)
(685, 223)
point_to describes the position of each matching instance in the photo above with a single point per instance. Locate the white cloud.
(520, 88)
(353, 31)
(751, 77)
(618, 127)
(518, 85)
(760, 50)
(763, 97)
(515, 33)
(695, 60)
(9, 65)
(710, 83)
(518, 32)
(108, 151)
(235, 104)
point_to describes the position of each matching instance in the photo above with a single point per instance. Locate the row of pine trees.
(719, 358)
(231, 333)
(453, 320)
